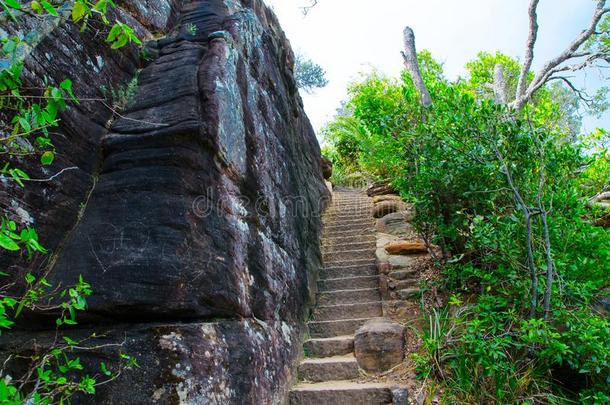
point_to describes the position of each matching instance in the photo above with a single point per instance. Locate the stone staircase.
(348, 296)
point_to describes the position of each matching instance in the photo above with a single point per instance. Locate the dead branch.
(409, 56)
(601, 200)
(529, 48)
(555, 65)
(306, 9)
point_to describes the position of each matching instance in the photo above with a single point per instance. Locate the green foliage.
(52, 374)
(308, 75)
(13, 239)
(120, 35)
(481, 74)
(123, 96)
(596, 175)
(462, 162)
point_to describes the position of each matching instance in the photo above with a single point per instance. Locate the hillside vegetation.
(503, 194)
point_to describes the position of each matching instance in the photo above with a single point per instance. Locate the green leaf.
(13, 4)
(101, 6)
(114, 31)
(36, 6)
(67, 86)
(25, 124)
(7, 243)
(50, 9)
(69, 341)
(9, 46)
(47, 158)
(78, 12)
(104, 369)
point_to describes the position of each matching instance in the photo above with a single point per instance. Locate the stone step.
(338, 297)
(357, 310)
(408, 293)
(365, 268)
(326, 329)
(344, 263)
(337, 247)
(348, 219)
(405, 274)
(339, 255)
(352, 203)
(334, 229)
(403, 284)
(338, 239)
(353, 215)
(341, 393)
(326, 347)
(352, 234)
(357, 209)
(339, 215)
(354, 223)
(329, 368)
(348, 283)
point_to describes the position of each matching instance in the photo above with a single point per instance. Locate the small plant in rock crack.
(123, 96)
(191, 29)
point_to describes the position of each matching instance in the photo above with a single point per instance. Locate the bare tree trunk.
(410, 58)
(529, 49)
(500, 90)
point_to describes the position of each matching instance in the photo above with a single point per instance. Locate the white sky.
(348, 37)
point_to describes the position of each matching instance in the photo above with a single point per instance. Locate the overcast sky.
(349, 37)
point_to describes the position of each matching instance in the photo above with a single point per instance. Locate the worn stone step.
(335, 247)
(403, 284)
(357, 310)
(365, 209)
(364, 268)
(344, 263)
(349, 215)
(338, 297)
(408, 293)
(334, 229)
(349, 219)
(338, 240)
(326, 347)
(342, 367)
(331, 216)
(353, 233)
(348, 255)
(341, 393)
(348, 283)
(346, 222)
(325, 329)
(405, 274)
(353, 204)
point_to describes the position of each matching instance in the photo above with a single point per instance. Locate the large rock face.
(194, 215)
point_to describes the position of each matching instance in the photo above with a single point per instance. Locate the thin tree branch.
(53, 176)
(527, 214)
